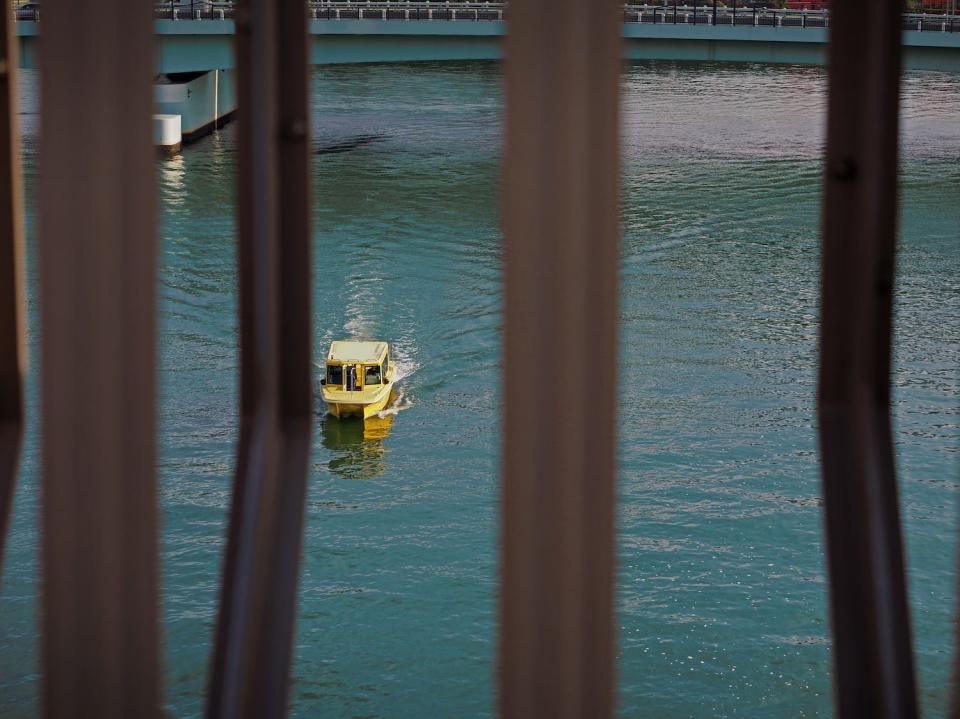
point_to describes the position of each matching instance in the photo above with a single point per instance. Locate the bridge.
(195, 47)
(347, 32)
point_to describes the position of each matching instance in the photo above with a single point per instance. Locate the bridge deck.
(206, 44)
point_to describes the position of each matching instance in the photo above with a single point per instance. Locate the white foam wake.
(403, 367)
(400, 403)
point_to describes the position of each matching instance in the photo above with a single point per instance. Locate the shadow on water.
(357, 445)
(348, 144)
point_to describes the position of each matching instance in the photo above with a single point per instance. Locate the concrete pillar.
(204, 101)
(167, 136)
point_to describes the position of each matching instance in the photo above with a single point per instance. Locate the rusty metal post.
(872, 654)
(251, 663)
(97, 250)
(561, 256)
(12, 316)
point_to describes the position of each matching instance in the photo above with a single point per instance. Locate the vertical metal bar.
(97, 251)
(251, 662)
(12, 317)
(872, 653)
(561, 235)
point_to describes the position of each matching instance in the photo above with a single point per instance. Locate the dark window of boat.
(371, 375)
(335, 374)
(386, 364)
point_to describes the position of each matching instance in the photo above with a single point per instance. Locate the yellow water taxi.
(359, 378)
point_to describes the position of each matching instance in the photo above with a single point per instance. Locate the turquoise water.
(721, 593)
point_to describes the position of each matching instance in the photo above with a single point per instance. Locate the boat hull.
(361, 408)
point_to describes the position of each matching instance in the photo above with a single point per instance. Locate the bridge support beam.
(203, 100)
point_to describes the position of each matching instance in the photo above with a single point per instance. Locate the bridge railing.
(676, 14)
(703, 14)
(489, 11)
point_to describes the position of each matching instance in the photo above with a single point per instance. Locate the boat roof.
(357, 351)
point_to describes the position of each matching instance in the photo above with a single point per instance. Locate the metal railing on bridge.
(702, 13)
(732, 15)
(490, 11)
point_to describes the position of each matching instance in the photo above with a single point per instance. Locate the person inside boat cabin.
(335, 374)
(372, 374)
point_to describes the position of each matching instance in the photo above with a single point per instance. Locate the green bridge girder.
(195, 45)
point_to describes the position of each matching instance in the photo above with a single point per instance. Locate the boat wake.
(403, 368)
(400, 403)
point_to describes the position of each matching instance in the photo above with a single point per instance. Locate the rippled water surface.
(721, 601)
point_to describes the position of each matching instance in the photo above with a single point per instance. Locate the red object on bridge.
(939, 6)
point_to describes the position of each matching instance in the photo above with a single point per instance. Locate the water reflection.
(356, 444)
(172, 181)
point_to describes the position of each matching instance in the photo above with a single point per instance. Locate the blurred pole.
(561, 259)
(12, 302)
(97, 260)
(255, 627)
(872, 654)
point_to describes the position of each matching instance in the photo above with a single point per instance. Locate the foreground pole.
(873, 661)
(97, 241)
(12, 315)
(561, 253)
(255, 628)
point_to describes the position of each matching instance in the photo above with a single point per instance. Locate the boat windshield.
(371, 375)
(335, 374)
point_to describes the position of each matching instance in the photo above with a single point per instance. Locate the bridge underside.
(195, 45)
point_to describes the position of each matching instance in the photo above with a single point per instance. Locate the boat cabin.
(352, 365)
